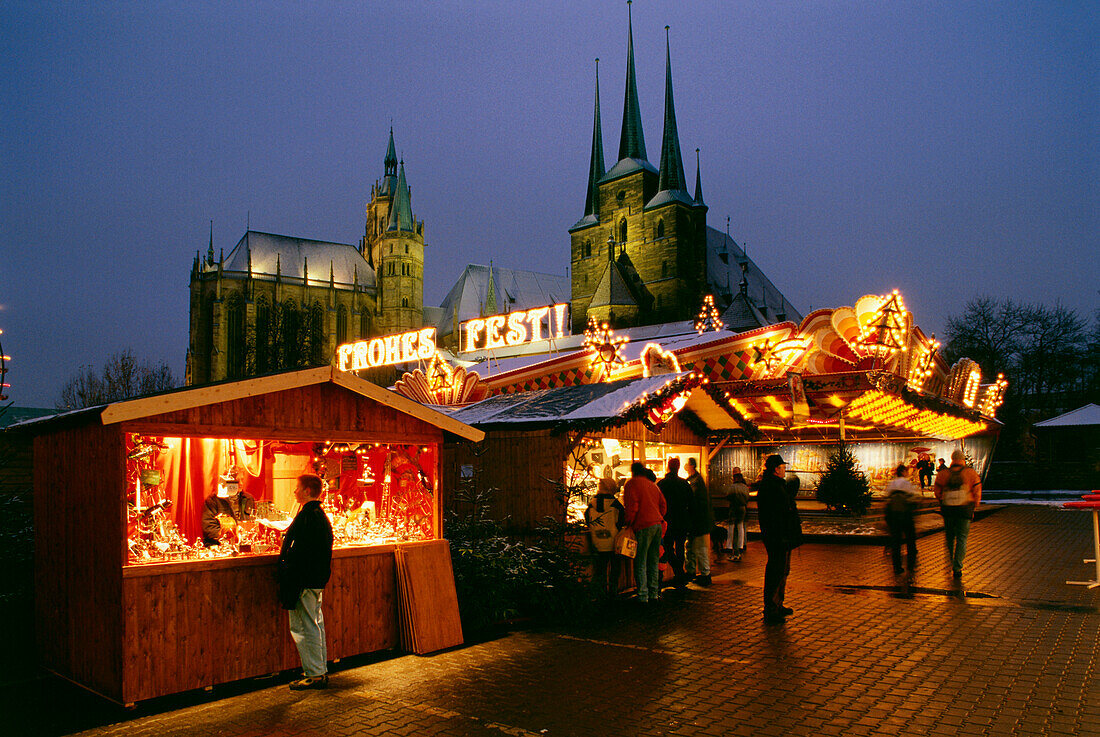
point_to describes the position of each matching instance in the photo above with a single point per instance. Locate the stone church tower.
(393, 244)
(638, 254)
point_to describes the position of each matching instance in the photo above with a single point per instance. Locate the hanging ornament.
(606, 349)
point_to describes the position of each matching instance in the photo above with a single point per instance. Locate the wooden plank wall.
(80, 527)
(189, 627)
(321, 411)
(517, 464)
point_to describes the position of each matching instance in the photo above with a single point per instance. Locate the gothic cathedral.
(279, 302)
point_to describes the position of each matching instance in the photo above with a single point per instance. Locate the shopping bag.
(626, 544)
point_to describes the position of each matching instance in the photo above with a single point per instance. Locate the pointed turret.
(389, 181)
(401, 217)
(632, 139)
(210, 249)
(671, 177)
(491, 294)
(596, 165)
(698, 183)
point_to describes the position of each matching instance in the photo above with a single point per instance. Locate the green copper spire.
(672, 165)
(391, 157)
(401, 217)
(491, 294)
(698, 183)
(596, 167)
(632, 140)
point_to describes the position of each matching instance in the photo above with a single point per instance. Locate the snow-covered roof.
(515, 290)
(565, 404)
(292, 254)
(1082, 416)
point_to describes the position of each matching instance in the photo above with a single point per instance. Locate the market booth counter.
(158, 523)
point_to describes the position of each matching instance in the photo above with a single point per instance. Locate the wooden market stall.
(128, 601)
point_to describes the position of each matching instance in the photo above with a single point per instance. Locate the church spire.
(698, 183)
(596, 166)
(391, 157)
(401, 217)
(671, 176)
(632, 140)
(210, 248)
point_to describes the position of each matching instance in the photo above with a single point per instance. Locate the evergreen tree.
(843, 488)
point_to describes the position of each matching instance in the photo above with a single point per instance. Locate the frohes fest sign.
(515, 328)
(415, 345)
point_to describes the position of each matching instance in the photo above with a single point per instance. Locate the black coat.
(305, 560)
(678, 504)
(780, 525)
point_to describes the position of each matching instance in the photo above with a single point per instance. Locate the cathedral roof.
(724, 259)
(514, 290)
(291, 254)
(627, 166)
(389, 181)
(613, 290)
(743, 315)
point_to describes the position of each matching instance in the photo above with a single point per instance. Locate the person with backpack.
(900, 502)
(959, 490)
(605, 517)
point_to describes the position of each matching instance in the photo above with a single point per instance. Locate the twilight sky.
(945, 149)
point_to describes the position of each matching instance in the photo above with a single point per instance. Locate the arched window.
(664, 269)
(290, 321)
(588, 248)
(622, 231)
(316, 335)
(406, 249)
(341, 325)
(660, 228)
(236, 345)
(620, 197)
(263, 335)
(391, 248)
(404, 301)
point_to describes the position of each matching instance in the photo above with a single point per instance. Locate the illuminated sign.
(515, 328)
(417, 345)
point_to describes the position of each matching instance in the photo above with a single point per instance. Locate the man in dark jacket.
(305, 564)
(777, 524)
(677, 499)
(699, 528)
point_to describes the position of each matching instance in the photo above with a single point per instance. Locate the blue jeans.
(307, 627)
(646, 574)
(956, 528)
(698, 556)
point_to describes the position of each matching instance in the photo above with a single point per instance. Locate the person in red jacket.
(645, 513)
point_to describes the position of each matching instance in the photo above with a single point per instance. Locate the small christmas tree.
(843, 488)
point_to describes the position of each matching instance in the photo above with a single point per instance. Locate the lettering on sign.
(417, 345)
(515, 328)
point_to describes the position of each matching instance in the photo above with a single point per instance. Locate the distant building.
(278, 302)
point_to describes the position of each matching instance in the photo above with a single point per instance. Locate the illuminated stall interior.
(376, 493)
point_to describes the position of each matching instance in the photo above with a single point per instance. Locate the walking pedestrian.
(699, 527)
(959, 490)
(677, 496)
(739, 506)
(900, 503)
(777, 528)
(645, 511)
(305, 565)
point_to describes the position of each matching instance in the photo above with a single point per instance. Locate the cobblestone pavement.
(1015, 652)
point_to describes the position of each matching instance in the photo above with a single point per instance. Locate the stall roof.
(587, 402)
(1080, 417)
(180, 399)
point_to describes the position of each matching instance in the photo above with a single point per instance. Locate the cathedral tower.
(638, 254)
(393, 244)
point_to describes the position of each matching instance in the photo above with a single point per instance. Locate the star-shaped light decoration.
(606, 348)
(778, 353)
(708, 318)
